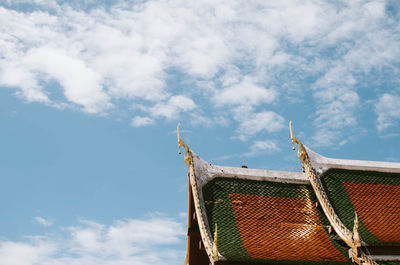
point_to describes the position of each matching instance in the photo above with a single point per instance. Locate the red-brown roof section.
(282, 228)
(378, 206)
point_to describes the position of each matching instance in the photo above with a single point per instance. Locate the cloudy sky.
(91, 93)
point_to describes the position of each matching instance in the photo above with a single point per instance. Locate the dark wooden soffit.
(197, 254)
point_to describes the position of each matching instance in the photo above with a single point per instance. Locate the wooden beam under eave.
(196, 254)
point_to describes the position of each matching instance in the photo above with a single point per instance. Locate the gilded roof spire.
(188, 157)
(301, 152)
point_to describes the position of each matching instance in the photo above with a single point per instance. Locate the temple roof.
(263, 216)
(336, 212)
(370, 189)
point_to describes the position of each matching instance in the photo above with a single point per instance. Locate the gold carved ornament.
(352, 239)
(193, 194)
(188, 157)
(188, 161)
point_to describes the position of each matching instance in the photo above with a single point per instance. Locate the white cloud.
(245, 92)
(43, 221)
(156, 231)
(388, 110)
(258, 147)
(376, 9)
(336, 109)
(16, 76)
(336, 106)
(139, 121)
(132, 241)
(18, 253)
(267, 145)
(267, 121)
(44, 3)
(173, 107)
(81, 84)
(222, 54)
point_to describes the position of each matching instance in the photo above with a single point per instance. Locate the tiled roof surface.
(264, 221)
(375, 196)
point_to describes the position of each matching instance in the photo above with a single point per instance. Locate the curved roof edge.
(322, 163)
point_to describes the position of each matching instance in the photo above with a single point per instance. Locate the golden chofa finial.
(292, 136)
(356, 235)
(215, 245)
(188, 157)
(356, 243)
(301, 152)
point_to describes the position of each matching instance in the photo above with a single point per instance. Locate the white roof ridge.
(323, 163)
(205, 172)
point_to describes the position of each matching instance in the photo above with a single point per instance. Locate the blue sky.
(91, 94)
